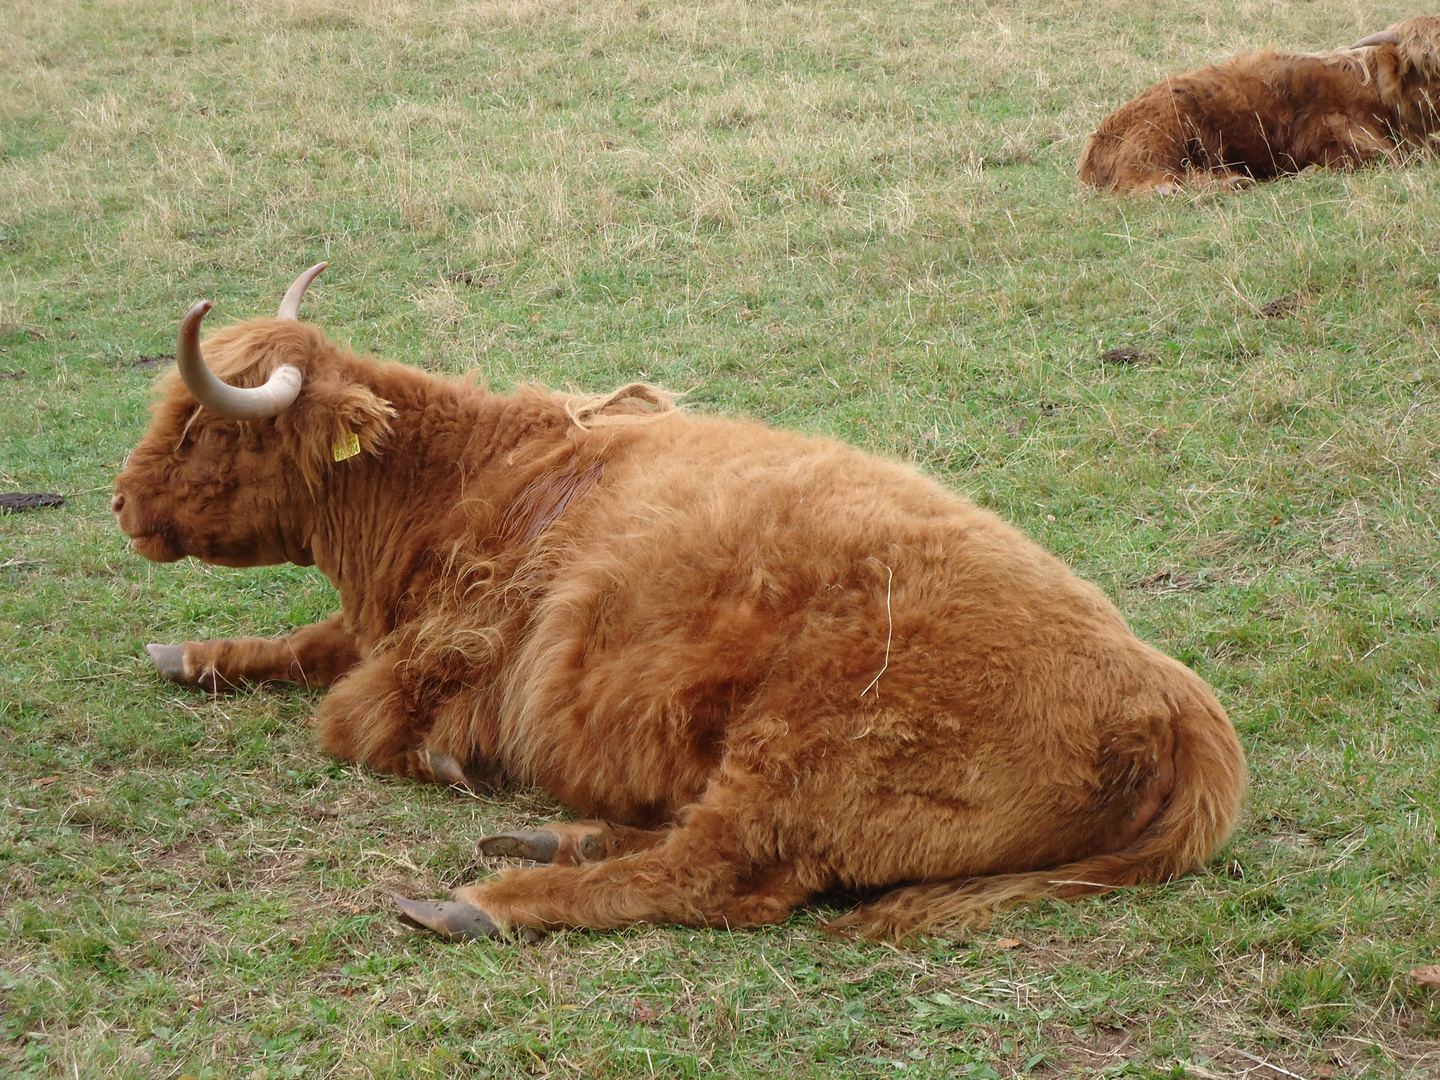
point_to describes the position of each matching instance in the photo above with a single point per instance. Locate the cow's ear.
(360, 418)
(342, 420)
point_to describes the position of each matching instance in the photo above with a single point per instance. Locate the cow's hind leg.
(572, 843)
(313, 656)
(697, 875)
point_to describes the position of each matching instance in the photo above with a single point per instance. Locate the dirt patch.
(474, 277)
(1281, 306)
(1126, 356)
(1104, 1048)
(1176, 580)
(14, 502)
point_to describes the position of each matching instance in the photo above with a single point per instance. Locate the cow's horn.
(234, 402)
(1384, 37)
(290, 306)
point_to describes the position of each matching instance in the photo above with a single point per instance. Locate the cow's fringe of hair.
(185, 431)
(634, 403)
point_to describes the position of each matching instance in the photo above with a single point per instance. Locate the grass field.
(846, 217)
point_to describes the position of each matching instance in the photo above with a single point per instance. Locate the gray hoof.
(169, 660)
(447, 770)
(449, 918)
(535, 846)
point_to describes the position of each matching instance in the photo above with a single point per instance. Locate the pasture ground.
(847, 217)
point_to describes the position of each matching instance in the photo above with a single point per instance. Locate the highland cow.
(1269, 113)
(765, 665)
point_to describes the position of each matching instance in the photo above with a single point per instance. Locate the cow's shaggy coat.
(778, 665)
(1268, 113)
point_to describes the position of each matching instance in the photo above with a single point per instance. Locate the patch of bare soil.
(15, 502)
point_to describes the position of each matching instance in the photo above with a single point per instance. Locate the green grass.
(852, 218)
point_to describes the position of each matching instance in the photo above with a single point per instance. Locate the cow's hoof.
(539, 847)
(169, 660)
(447, 770)
(561, 843)
(451, 919)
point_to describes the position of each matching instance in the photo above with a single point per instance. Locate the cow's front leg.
(313, 656)
(372, 717)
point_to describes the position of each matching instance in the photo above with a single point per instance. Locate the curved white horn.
(1384, 37)
(290, 306)
(234, 402)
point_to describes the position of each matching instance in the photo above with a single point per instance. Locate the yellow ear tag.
(347, 447)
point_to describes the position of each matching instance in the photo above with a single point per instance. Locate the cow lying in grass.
(1267, 113)
(772, 665)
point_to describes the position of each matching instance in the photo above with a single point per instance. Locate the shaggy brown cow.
(1267, 113)
(777, 665)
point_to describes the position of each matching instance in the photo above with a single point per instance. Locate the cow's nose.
(117, 503)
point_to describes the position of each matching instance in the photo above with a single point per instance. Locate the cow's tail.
(1196, 819)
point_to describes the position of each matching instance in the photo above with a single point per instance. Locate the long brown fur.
(788, 666)
(1268, 113)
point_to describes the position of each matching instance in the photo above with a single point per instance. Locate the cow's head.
(243, 440)
(1409, 80)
